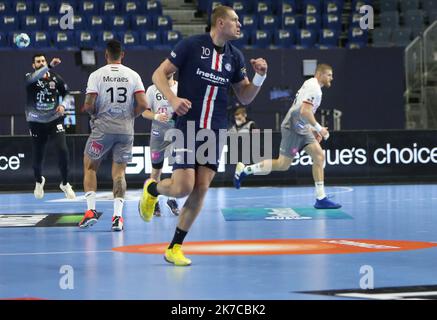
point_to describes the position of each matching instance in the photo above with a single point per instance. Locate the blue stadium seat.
(241, 7)
(170, 38)
(61, 5)
(163, 23)
(381, 37)
(109, 7)
(312, 22)
(291, 22)
(50, 23)
(153, 8)
(355, 20)
(5, 9)
(261, 38)
(22, 7)
(414, 19)
(401, 37)
(284, 38)
(79, 22)
(130, 39)
(85, 39)
(151, 39)
(40, 39)
(141, 22)
(263, 7)
(388, 5)
(328, 38)
(63, 40)
(30, 23)
(104, 36)
(358, 35)
(355, 45)
(96, 23)
(249, 22)
(312, 7)
(333, 7)
(286, 7)
(407, 5)
(332, 21)
(357, 4)
(268, 22)
(3, 41)
(130, 7)
(306, 38)
(88, 8)
(243, 39)
(214, 3)
(429, 5)
(44, 7)
(9, 23)
(389, 19)
(117, 23)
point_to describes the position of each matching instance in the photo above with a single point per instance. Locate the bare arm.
(159, 78)
(90, 103)
(38, 74)
(307, 113)
(245, 90)
(149, 114)
(141, 101)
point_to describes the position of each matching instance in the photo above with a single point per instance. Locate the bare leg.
(179, 185)
(194, 203)
(90, 168)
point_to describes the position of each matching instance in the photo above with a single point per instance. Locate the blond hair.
(219, 12)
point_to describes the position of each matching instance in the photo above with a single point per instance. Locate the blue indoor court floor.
(256, 243)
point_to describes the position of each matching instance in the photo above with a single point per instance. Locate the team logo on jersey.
(155, 133)
(95, 148)
(228, 67)
(52, 85)
(173, 54)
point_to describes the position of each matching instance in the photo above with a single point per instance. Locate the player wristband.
(318, 127)
(258, 79)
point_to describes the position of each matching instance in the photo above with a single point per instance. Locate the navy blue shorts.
(190, 153)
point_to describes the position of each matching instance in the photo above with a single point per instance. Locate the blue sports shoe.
(239, 175)
(325, 203)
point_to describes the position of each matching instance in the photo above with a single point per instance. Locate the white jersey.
(311, 93)
(115, 86)
(159, 104)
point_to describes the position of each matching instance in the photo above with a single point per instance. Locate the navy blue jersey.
(205, 77)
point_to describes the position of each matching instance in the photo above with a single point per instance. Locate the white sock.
(118, 206)
(320, 190)
(90, 197)
(253, 169)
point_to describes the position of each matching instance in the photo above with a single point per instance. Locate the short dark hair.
(38, 55)
(114, 49)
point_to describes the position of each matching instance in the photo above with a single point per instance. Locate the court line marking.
(53, 253)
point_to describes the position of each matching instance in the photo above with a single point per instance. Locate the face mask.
(238, 122)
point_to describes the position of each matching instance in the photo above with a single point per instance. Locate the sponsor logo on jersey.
(211, 77)
(155, 133)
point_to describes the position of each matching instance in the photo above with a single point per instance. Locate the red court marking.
(283, 246)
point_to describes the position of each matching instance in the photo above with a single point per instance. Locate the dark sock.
(152, 189)
(178, 238)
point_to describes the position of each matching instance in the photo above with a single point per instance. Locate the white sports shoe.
(38, 192)
(68, 190)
